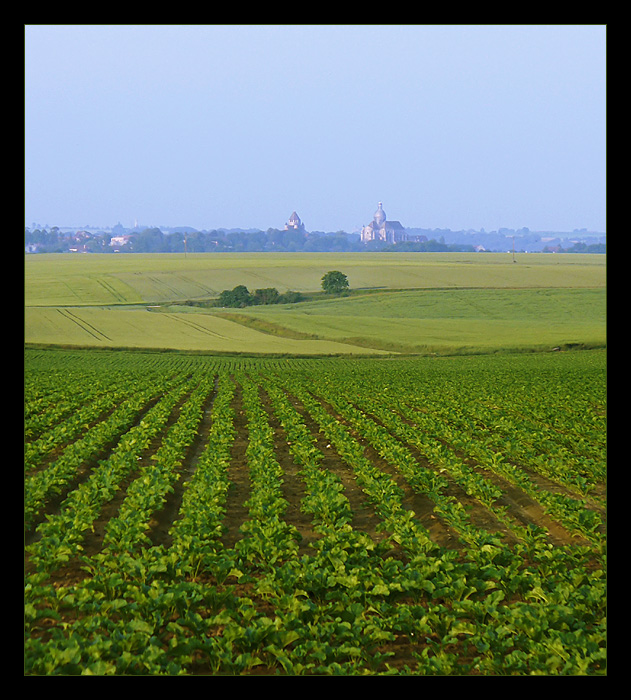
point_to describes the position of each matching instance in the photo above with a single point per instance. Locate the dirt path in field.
(238, 475)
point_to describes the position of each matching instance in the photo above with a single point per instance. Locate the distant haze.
(452, 127)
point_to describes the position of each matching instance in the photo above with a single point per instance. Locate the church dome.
(380, 215)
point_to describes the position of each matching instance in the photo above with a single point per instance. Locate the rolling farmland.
(401, 303)
(196, 515)
(69, 279)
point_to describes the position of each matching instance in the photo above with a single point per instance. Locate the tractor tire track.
(84, 325)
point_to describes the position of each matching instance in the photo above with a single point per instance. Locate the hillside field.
(401, 303)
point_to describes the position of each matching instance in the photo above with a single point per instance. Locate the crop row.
(154, 480)
(195, 604)
(60, 536)
(42, 486)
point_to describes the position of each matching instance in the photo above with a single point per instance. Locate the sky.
(236, 126)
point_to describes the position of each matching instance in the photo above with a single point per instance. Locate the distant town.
(381, 234)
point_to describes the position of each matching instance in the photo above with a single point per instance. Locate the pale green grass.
(459, 302)
(141, 328)
(449, 320)
(71, 279)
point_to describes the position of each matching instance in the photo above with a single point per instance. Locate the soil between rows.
(521, 507)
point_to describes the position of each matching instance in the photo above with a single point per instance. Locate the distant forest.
(155, 240)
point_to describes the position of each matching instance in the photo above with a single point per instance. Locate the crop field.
(72, 279)
(420, 303)
(144, 329)
(191, 514)
(444, 321)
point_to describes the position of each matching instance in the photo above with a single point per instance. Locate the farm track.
(195, 326)
(84, 325)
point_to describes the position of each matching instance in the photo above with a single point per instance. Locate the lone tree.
(335, 282)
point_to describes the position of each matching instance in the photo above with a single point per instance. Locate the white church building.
(380, 229)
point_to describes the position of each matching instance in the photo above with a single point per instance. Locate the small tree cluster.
(240, 297)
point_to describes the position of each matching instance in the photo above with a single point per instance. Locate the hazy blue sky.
(456, 126)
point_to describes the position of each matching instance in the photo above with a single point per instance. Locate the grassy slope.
(139, 328)
(441, 320)
(59, 279)
(462, 302)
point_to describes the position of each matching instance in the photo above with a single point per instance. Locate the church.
(380, 229)
(294, 223)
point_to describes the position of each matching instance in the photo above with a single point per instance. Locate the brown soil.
(82, 474)
(520, 507)
(94, 539)
(164, 519)
(293, 486)
(364, 517)
(239, 492)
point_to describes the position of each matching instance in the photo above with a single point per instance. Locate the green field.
(384, 483)
(138, 328)
(410, 303)
(449, 320)
(192, 514)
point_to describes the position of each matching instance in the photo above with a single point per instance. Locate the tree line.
(333, 282)
(240, 296)
(154, 240)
